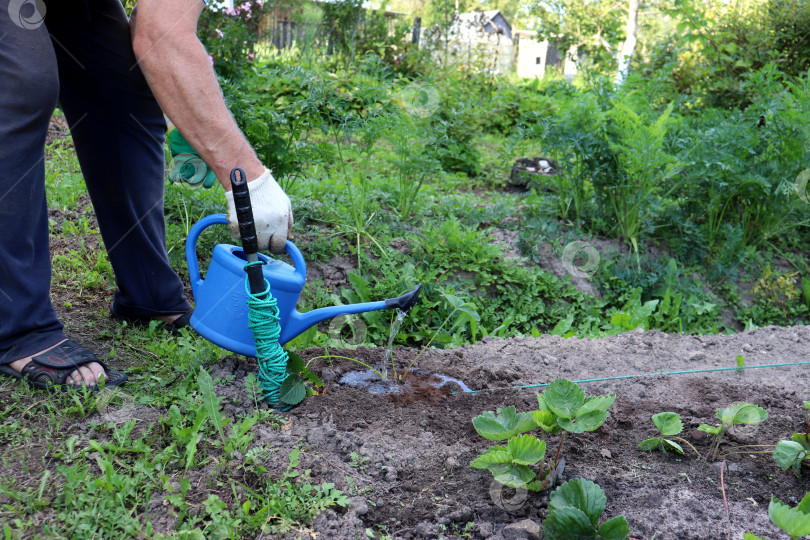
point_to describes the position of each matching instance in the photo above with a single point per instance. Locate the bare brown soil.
(416, 481)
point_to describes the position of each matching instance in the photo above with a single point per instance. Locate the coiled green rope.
(263, 321)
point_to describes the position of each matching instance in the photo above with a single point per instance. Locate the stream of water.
(395, 326)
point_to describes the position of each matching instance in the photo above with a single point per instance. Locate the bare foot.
(168, 319)
(87, 374)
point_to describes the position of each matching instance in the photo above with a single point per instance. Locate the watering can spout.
(406, 301)
(297, 323)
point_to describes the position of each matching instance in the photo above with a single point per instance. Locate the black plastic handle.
(244, 212)
(247, 229)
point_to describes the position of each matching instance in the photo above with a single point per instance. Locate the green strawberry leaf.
(711, 430)
(566, 523)
(504, 425)
(580, 424)
(597, 403)
(545, 419)
(564, 398)
(513, 476)
(668, 423)
(526, 449)
(742, 413)
(615, 529)
(497, 455)
(648, 445)
(581, 494)
(293, 390)
(789, 454)
(295, 364)
(804, 505)
(791, 520)
(672, 445)
(801, 438)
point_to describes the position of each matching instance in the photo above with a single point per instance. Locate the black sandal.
(183, 321)
(52, 368)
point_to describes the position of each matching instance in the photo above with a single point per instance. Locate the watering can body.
(221, 311)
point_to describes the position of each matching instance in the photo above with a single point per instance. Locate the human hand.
(272, 212)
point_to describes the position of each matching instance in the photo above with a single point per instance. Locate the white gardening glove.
(272, 212)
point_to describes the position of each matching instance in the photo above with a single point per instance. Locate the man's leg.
(28, 92)
(118, 130)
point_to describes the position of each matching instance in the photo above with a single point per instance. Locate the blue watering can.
(221, 312)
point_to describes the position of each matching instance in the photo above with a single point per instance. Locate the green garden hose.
(263, 321)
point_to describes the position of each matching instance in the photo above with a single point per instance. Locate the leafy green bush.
(718, 43)
(230, 35)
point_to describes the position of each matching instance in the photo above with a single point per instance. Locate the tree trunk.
(626, 53)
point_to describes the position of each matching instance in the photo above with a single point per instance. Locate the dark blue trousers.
(80, 56)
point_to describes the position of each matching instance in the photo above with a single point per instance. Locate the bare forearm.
(179, 72)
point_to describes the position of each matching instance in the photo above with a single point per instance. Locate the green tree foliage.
(718, 42)
(594, 28)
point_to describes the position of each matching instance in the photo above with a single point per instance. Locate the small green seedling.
(669, 424)
(300, 382)
(740, 363)
(793, 454)
(574, 510)
(510, 464)
(794, 521)
(734, 414)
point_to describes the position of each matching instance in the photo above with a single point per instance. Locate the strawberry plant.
(794, 521)
(574, 510)
(564, 407)
(510, 464)
(793, 454)
(734, 414)
(300, 382)
(669, 424)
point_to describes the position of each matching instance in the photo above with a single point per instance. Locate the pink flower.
(219, 33)
(251, 55)
(211, 58)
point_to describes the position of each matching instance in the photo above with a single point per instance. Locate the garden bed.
(404, 458)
